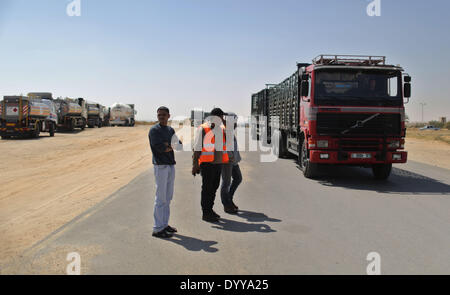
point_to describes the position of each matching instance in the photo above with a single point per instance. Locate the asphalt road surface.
(287, 224)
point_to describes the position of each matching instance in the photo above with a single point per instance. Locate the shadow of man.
(255, 216)
(193, 244)
(237, 226)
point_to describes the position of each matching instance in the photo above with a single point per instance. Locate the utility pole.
(422, 104)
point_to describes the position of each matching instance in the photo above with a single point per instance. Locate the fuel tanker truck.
(72, 113)
(27, 116)
(95, 115)
(122, 114)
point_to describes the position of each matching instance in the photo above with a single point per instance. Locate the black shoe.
(170, 229)
(234, 205)
(215, 214)
(210, 218)
(230, 209)
(162, 234)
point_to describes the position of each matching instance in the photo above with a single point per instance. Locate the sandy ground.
(46, 182)
(436, 153)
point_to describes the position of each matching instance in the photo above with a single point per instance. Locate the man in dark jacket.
(162, 143)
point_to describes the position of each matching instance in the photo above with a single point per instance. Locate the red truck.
(338, 110)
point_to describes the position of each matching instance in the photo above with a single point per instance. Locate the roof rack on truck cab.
(333, 59)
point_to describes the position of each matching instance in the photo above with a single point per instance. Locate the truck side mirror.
(407, 90)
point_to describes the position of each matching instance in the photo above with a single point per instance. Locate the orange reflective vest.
(208, 148)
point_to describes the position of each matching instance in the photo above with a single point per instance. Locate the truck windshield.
(358, 87)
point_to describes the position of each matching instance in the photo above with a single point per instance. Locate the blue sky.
(205, 53)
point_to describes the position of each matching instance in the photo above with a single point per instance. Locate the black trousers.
(210, 183)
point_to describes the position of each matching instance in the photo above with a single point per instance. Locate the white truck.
(122, 115)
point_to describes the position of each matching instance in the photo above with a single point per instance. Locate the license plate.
(361, 156)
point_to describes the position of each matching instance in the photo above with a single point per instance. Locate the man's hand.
(169, 148)
(195, 169)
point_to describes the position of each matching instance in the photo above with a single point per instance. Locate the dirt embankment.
(432, 152)
(46, 182)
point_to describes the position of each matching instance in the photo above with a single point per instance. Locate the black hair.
(163, 109)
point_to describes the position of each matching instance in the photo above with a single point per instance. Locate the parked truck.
(95, 115)
(122, 115)
(27, 116)
(339, 110)
(72, 113)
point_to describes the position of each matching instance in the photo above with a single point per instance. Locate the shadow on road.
(237, 226)
(64, 131)
(255, 216)
(400, 182)
(193, 244)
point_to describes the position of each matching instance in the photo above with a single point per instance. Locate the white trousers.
(164, 180)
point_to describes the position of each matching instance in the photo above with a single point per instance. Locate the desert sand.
(46, 182)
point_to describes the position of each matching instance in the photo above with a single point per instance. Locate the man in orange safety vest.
(209, 155)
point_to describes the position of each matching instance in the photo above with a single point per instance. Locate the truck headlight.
(322, 143)
(394, 144)
(396, 157)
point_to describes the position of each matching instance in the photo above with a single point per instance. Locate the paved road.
(287, 225)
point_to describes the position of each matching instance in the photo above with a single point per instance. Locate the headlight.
(394, 144)
(322, 143)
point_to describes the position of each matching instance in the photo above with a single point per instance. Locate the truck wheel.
(71, 125)
(52, 129)
(99, 125)
(381, 171)
(309, 169)
(37, 131)
(282, 146)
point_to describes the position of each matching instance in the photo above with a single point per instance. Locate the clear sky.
(205, 53)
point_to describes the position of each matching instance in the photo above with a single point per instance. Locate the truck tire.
(71, 125)
(99, 124)
(310, 170)
(37, 131)
(381, 171)
(279, 147)
(52, 129)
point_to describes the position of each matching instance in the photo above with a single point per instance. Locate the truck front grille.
(337, 123)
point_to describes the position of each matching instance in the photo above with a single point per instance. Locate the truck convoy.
(95, 115)
(72, 113)
(27, 116)
(122, 115)
(340, 110)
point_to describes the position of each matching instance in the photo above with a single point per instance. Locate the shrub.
(437, 124)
